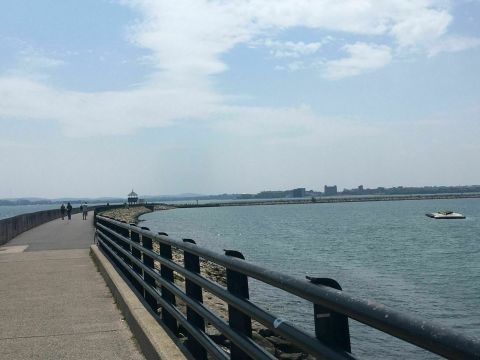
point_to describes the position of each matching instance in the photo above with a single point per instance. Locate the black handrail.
(427, 335)
(297, 336)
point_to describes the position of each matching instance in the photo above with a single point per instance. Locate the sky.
(236, 96)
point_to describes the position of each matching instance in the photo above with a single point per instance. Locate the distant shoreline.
(333, 199)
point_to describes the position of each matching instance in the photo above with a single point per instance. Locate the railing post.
(99, 244)
(115, 239)
(237, 284)
(330, 327)
(126, 246)
(135, 237)
(192, 263)
(148, 261)
(167, 274)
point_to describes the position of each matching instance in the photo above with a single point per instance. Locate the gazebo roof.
(133, 194)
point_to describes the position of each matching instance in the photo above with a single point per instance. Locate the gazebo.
(132, 198)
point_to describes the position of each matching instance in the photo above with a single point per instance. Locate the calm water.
(389, 252)
(7, 211)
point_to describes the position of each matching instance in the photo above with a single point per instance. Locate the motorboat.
(446, 215)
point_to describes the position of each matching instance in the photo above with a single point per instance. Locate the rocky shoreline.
(130, 215)
(274, 344)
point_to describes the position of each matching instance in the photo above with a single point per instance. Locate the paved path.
(53, 302)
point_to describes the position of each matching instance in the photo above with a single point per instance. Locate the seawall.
(330, 200)
(11, 227)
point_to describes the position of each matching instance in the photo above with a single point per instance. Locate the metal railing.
(131, 249)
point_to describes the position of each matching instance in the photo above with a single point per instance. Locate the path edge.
(154, 342)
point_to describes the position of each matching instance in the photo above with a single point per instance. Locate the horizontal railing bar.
(201, 337)
(428, 335)
(247, 344)
(300, 338)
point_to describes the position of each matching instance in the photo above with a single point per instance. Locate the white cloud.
(38, 61)
(421, 27)
(191, 35)
(453, 44)
(104, 113)
(362, 57)
(293, 66)
(32, 62)
(290, 49)
(187, 39)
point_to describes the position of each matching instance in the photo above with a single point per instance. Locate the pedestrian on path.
(69, 211)
(84, 211)
(62, 211)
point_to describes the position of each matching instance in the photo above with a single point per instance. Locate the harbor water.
(388, 252)
(7, 211)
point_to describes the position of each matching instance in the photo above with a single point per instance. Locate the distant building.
(330, 190)
(360, 189)
(299, 193)
(132, 198)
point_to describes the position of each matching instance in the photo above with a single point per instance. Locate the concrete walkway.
(53, 302)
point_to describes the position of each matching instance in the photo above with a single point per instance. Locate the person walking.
(69, 211)
(84, 211)
(62, 211)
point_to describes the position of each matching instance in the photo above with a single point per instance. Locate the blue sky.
(97, 97)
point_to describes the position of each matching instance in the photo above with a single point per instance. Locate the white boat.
(446, 215)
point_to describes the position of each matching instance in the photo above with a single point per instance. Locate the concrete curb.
(153, 340)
